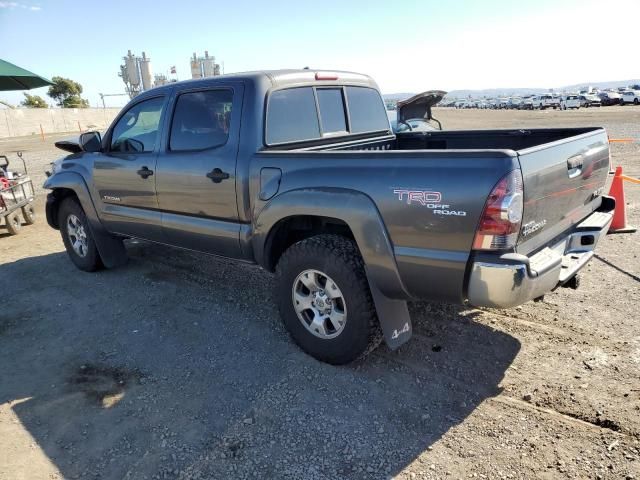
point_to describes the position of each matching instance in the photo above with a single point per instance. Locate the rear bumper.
(513, 279)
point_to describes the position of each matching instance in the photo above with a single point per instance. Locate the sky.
(407, 46)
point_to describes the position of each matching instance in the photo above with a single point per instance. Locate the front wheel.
(77, 236)
(324, 299)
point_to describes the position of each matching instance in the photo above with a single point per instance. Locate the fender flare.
(111, 249)
(360, 213)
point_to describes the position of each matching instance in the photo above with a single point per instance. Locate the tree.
(34, 101)
(66, 93)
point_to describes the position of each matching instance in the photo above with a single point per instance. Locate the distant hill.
(507, 92)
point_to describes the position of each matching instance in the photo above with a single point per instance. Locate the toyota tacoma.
(299, 172)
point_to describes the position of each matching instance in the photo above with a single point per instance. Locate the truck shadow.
(178, 367)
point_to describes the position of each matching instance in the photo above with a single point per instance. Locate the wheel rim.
(77, 235)
(319, 304)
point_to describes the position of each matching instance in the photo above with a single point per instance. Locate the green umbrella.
(13, 77)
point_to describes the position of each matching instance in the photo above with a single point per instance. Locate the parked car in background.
(527, 103)
(546, 100)
(589, 100)
(609, 98)
(570, 101)
(514, 102)
(630, 96)
(414, 114)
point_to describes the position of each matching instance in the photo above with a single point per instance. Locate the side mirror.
(90, 142)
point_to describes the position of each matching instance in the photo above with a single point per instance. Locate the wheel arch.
(344, 211)
(295, 228)
(71, 184)
(64, 185)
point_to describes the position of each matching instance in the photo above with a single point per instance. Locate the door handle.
(216, 175)
(144, 172)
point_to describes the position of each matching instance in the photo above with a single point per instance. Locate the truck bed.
(486, 139)
(563, 171)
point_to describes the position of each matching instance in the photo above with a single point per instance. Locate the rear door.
(124, 173)
(196, 171)
(562, 184)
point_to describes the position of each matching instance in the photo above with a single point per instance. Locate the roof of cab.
(279, 78)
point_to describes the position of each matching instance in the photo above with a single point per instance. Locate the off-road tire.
(91, 261)
(339, 258)
(29, 214)
(13, 223)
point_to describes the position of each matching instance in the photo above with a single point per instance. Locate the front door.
(124, 173)
(196, 172)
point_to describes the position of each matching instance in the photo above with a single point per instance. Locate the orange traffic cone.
(619, 223)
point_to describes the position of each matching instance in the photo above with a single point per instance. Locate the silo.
(208, 65)
(195, 67)
(132, 70)
(145, 71)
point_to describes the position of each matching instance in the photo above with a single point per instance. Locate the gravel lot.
(177, 366)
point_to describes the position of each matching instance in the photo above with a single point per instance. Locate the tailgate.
(563, 181)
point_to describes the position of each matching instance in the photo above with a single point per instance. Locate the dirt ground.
(177, 366)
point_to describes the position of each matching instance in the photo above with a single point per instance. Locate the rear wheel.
(77, 236)
(324, 299)
(636, 101)
(29, 214)
(13, 223)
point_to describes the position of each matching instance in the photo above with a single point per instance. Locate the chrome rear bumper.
(514, 279)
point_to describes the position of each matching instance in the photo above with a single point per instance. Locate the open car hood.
(419, 106)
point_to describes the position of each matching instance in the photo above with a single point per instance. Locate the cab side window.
(137, 129)
(201, 120)
(292, 116)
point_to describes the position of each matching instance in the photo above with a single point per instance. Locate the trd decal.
(427, 198)
(418, 196)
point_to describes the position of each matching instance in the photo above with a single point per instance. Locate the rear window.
(292, 116)
(331, 106)
(366, 110)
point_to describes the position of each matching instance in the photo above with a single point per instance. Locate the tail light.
(500, 222)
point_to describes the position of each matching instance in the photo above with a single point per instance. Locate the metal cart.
(16, 196)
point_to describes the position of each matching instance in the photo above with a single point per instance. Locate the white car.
(630, 96)
(570, 101)
(546, 100)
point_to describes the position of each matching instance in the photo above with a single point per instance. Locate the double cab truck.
(299, 172)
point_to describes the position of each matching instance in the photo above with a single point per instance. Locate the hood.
(419, 106)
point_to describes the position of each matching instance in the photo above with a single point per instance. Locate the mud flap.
(394, 318)
(111, 249)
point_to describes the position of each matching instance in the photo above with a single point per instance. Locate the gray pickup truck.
(298, 171)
